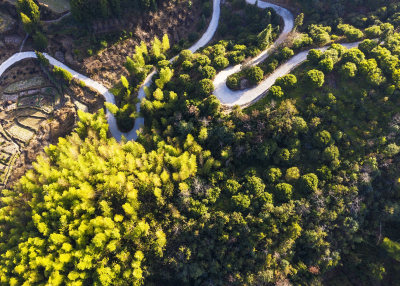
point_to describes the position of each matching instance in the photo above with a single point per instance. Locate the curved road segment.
(224, 94)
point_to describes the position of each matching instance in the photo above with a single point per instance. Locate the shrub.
(339, 48)
(315, 78)
(320, 34)
(187, 65)
(326, 65)
(308, 183)
(233, 82)
(351, 33)
(103, 44)
(353, 55)
(239, 48)
(282, 156)
(185, 55)
(207, 72)
(283, 192)
(220, 62)
(331, 153)
(287, 81)
(255, 75)
(391, 150)
(236, 57)
(299, 125)
(314, 56)
(203, 60)
(271, 66)
(264, 38)
(322, 138)
(275, 92)
(373, 31)
(332, 54)
(273, 175)
(205, 87)
(292, 174)
(39, 41)
(185, 82)
(348, 70)
(285, 54)
(252, 52)
(303, 41)
(392, 248)
(367, 46)
(163, 64)
(218, 50)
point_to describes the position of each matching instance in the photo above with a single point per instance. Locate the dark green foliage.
(392, 247)
(264, 39)
(40, 41)
(320, 34)
(308, 183)
(233, 81)
(283, 192)
(326, 65)
(285, 54)
(207, 72)
(353, 55)
(205, 87)
(314, 56)
(315, 78)
(348, 70)
(287, 81)
(275, 92)
(220, 62)
(351, 33)
(254, 75)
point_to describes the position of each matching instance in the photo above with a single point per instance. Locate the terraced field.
(26, 104)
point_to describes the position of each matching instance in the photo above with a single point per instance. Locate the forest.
(300, 187)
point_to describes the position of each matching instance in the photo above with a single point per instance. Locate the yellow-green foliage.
(90, 213)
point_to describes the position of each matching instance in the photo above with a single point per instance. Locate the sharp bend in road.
(248, 96)
(226, 96)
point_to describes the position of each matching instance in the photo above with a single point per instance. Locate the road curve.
(248, 96)
(207, 36)
(229, 97)
(226, 96)
(109, 97)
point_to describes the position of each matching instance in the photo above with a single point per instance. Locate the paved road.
(227, 96)
(248, 96)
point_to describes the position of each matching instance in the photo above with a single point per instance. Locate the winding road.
(224, 94)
